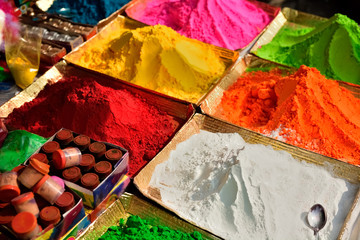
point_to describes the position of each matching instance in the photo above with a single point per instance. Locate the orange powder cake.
(303, 109)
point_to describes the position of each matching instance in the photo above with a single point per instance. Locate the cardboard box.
(199, 122)
(69, 220)
(130, 204)
(92, 198)
(82, 225)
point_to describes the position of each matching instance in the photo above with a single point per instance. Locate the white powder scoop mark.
(249, 191)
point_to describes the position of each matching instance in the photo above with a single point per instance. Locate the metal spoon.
(316, 218)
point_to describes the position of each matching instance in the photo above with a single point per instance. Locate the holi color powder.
(86, 11)
(157, 58)
(332, 46)
(229, 24)
(136, 228)
(101, 109)
(303, 109)
(248, 191)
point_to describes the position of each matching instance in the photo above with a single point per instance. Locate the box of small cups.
(35, 203)
(90, 168)
(46, 194)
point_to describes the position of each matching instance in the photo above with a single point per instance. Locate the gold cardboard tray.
(287, 15)
(213, 99)
(123, 23)
(180, 110)
(129, 204)
(272, 11)
(204, 122)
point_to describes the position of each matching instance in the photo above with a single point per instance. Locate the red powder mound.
(101, 111)
(303, 109)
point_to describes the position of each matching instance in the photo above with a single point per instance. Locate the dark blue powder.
(86, 11)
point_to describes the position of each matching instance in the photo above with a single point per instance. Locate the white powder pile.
(249, 191)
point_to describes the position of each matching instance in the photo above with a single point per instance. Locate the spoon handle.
(316, 233)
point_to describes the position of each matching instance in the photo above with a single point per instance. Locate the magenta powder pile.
(104, 111)
(229, 24)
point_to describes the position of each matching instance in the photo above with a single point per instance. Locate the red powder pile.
(102, 111)
(303, 109)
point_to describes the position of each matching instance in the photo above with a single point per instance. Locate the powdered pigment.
(332, 46)
(154, 57)
(102, 110)
(86, 11)
(249, 191)
(136, 228)
(302, 109)
(230, 24)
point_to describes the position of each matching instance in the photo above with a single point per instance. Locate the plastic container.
(90, 181)
(113, 155)
(49, 215)
(65, 202)
(68, 157)
(25, 225)
(26, 203)
(59, 181)
(98, 149)
(33, 173)
(18, 169)
(87, 162)
(103, 169)
(7, 214)
(9, 187)
(49, 148)
(64, 137)
(40, 157)
(82, 142)
(48, 189)
(72, 174)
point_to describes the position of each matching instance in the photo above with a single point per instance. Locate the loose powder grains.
(332, 46)
(302, 109)
(102, 110)
(136, 228)
(229, 24)
(157, 58)
(249, 191)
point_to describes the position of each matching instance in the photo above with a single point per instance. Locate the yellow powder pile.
(157, 58)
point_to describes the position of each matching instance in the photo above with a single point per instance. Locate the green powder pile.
(18, 146)
(137, 228)
(331, 46)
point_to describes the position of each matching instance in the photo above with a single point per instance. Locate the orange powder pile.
(303, 109)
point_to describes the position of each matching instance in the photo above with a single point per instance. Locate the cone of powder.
(157, 58)
(331, 46)
(229, 24)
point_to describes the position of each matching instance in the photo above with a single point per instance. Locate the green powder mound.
(137, 228)
(18, 146)
(331, 46)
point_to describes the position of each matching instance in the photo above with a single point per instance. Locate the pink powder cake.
(230, 24)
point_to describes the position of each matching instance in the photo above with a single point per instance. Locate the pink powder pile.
(229, 24)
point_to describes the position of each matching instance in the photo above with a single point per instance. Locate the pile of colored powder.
(86, 11)
(249, 191)
(303, 109)
(229, 24)
(18, 146)
(157, 58)
(136, 228)
(332, 46)
(102, 110)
